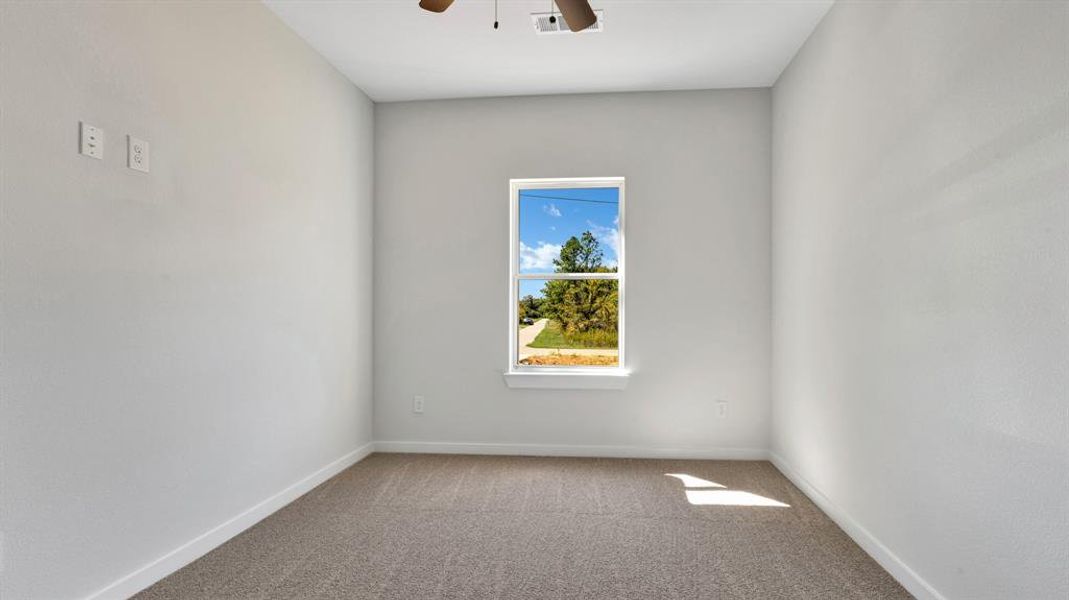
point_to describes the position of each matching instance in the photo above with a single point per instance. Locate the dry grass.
(570, 360)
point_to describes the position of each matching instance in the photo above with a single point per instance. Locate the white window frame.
(565, 377)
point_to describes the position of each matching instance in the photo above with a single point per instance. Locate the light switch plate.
(91, 142)
(137, 154)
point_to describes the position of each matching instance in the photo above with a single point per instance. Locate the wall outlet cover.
(137, 154)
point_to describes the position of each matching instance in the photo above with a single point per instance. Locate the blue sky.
(548, 217)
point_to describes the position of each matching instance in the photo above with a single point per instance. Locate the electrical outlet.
(722, 410)
(137, 154)
(417, 404)
(91, 140)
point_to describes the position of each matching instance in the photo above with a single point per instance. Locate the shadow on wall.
(702, 492)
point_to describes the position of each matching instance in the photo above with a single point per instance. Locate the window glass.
(568, 322)
(569, 230)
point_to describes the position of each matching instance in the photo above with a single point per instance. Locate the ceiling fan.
(577, 13)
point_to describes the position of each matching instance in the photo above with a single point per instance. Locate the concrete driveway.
(529, 333)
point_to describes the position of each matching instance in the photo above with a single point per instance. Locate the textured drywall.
(179, 345)
(921, 285)
(697, 212)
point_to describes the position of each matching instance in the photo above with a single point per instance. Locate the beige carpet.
(414, 527)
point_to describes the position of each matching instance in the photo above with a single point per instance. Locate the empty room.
(534, 299)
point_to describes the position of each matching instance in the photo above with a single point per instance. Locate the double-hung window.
(566, 298)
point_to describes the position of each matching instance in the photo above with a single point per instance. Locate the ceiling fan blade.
(435, 5)
(577, 14)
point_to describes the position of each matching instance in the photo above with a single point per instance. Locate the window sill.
(614, 379)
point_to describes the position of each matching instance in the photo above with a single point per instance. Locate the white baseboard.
(894, 565)
(208, 541)
(700, 452)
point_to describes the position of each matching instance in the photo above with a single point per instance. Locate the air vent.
(543, 26)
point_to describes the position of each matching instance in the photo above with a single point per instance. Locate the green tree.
(588, 305)
(581, 305)
(530, 308)
(579, 255)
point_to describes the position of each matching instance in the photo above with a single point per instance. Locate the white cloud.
(609, 237)
(539, 258)
(551, 210)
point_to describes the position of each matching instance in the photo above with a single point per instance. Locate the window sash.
(520, 276)
(516, 187)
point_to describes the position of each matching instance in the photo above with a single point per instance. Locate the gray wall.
(181, 345)
(698, 176)
(921, 285)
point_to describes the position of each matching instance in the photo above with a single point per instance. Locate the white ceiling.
(395, 51)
